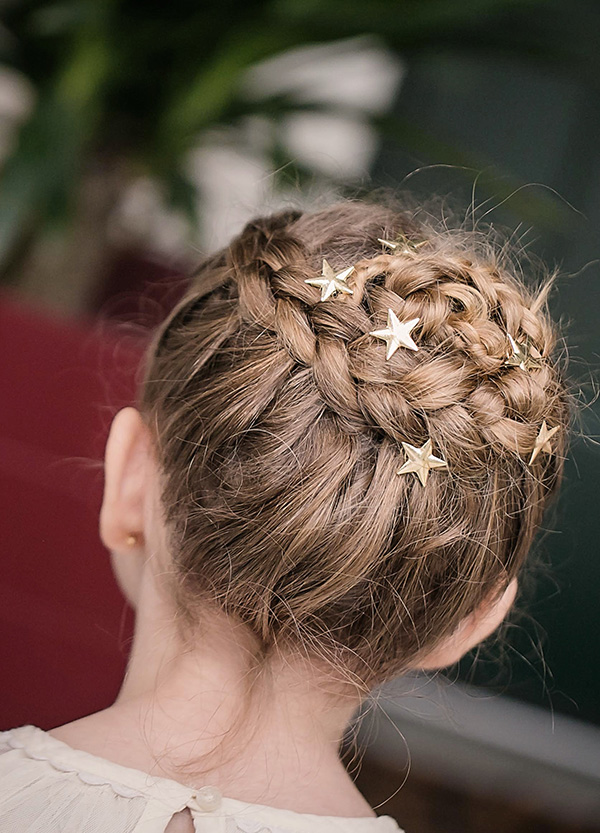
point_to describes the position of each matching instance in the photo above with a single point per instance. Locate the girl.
(344, 442)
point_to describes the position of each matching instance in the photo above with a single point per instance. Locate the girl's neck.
(284, 776)
(192, 715)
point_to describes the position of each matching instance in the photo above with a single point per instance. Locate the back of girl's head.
(279, 422)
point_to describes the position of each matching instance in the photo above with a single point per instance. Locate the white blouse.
(46, 786)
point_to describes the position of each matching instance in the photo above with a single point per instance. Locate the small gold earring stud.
(131, 540)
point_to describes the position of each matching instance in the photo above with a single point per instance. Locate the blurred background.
(134, 138)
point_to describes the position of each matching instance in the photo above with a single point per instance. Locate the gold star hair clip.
(542, 443)
(523, 355)
(331, 282)
(420, 461)
(403, 244)
(396, 334)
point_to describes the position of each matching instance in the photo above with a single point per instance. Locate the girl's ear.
(125, 480)
(472, 630)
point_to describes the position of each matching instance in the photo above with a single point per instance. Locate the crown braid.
(279, 424)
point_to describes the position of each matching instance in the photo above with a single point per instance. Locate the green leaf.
(40, 172)
(81, 81)
(205, 100)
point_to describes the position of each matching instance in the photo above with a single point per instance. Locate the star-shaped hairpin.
(542, 442)
(524, 355)
(420, 461)
(405, 245)
(397, 334)
(332, 282)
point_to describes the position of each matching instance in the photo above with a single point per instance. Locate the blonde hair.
(278, 426)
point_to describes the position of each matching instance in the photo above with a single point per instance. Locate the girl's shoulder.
(33, 764)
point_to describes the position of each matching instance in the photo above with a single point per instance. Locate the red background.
(65, 628)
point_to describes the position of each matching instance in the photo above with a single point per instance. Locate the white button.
(208, 798)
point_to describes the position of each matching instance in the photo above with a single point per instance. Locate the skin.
(179, 704)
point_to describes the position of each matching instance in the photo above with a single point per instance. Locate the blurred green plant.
(124, 88)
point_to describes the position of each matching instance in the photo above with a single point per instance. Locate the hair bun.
(280, 421)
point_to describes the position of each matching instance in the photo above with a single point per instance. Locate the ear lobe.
(125, 478)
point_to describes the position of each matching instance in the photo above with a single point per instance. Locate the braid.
(464, 309)
(292, 516)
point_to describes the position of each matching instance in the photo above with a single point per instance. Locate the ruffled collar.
(128, 782)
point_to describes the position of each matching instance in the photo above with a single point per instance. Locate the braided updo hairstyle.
(278, 426)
